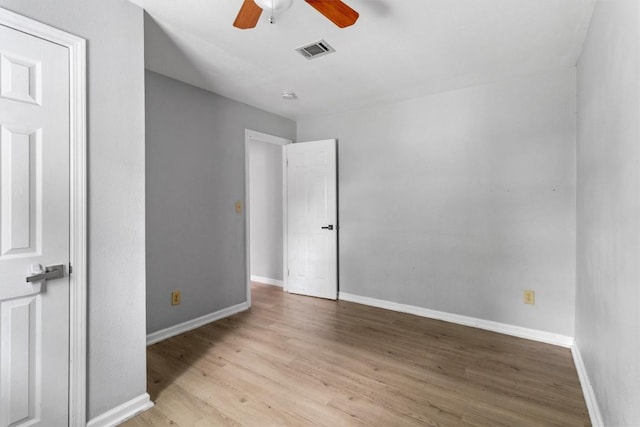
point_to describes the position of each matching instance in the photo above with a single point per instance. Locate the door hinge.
(288, 272)
(70, 269)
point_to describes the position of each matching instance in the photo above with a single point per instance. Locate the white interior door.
(312, 228)
(34, 230)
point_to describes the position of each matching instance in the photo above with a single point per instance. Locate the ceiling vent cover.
(315, 50)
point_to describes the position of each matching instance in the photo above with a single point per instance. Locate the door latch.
(50, 273)
(328, 227)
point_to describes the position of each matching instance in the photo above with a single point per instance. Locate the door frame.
(254, 136)
(77, 204)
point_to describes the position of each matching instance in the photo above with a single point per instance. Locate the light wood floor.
(293, 360)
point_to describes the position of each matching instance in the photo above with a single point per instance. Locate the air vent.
(316, 49)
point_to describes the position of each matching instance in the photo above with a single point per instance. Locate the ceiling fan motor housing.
(274, 5)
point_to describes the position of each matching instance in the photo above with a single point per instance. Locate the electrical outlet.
(176, 296)
(238, 207)
(529, 297)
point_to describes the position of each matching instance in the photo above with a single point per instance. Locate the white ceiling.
(397, 49)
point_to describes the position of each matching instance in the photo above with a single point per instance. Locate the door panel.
(312, 204)
(18, 176)
(19, 335)
(34, 230)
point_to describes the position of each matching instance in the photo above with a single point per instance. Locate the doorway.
(264, 208)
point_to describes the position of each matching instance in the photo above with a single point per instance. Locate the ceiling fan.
(334, 10)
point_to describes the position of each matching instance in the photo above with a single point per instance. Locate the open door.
(311, 253)
(34, 230)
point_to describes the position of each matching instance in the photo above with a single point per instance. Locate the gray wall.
(608, 209)
(116, 334)
(459, 201)
(265, 173)
(195, 159)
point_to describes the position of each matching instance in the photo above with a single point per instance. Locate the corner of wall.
(587, 389)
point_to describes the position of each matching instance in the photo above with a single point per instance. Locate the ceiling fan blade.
(335, 11)
(248, 16)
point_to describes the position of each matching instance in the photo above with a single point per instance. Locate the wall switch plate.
(176, 296)
(529, 297)
(238, 207)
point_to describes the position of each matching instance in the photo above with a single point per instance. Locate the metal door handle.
(53, 272)
(328, 227)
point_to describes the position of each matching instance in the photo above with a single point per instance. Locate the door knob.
(328, 227)
(49, 273)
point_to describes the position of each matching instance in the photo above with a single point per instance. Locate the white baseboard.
(267, 281)
(503, 328)
(587, 389)
(122, 413)
(163, 334)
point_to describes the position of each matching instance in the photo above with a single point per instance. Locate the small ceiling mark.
(289, 95)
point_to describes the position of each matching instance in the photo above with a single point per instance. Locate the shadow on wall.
(160, 43)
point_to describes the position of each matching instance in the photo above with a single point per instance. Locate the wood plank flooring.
(294, 360)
